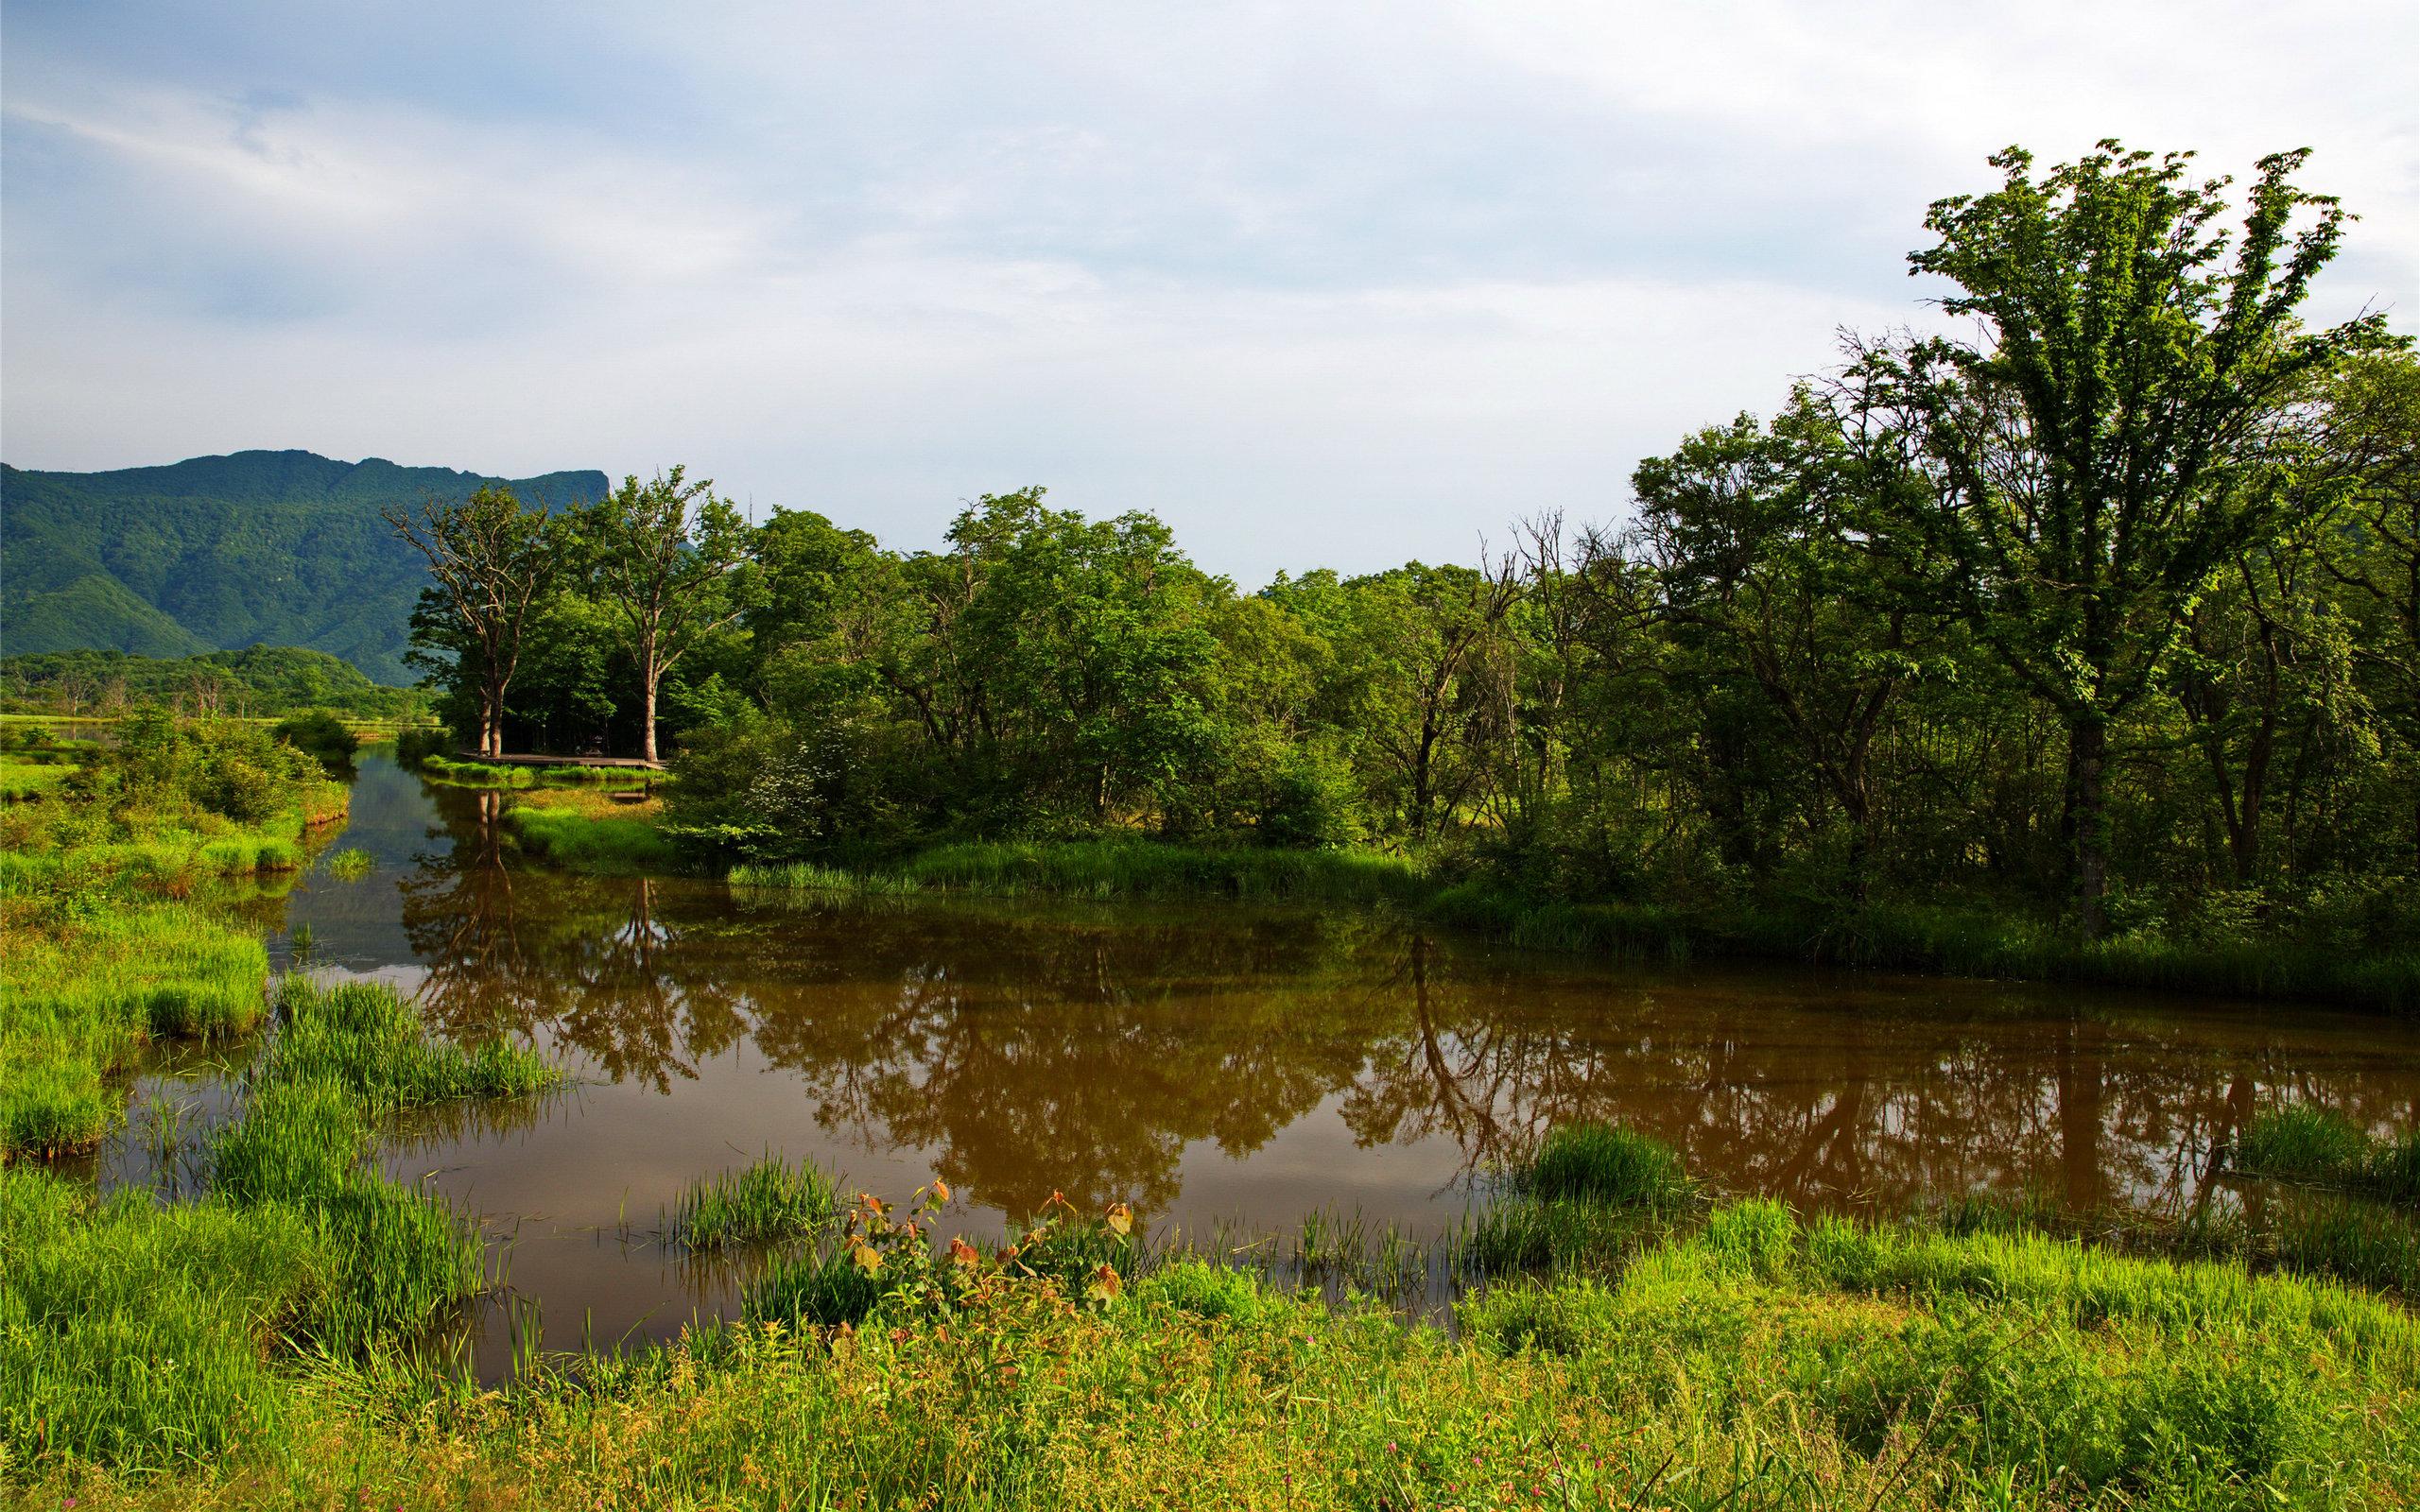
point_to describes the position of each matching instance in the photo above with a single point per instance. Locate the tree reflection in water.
(1025, 1049)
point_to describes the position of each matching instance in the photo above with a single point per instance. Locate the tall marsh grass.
(366, 1039)
(771, 1199)
(2306, 1143)
(79, 996)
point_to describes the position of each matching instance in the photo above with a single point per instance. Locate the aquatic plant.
(1605, 1163)
(350, 864)
(366, 1038)
(2303, 1142)
(771, 1199)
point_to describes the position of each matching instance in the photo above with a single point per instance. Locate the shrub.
(322, 734)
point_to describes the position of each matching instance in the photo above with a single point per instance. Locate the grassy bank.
(588, 829)
(504, 774)
(1737, 1357)
(135, 1336)
(1953, 940)
(107, 946)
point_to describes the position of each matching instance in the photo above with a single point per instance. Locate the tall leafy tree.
(1757, 537)
(493, 560)
(2095, 451)
(672, 561)
(2372, 430)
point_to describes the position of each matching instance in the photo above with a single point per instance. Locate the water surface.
(1217, 1064)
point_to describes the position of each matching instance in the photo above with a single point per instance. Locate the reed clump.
(2314, 1146)
(769, 1200)
(366, 1039)
(1607, 1164)
(588, 832)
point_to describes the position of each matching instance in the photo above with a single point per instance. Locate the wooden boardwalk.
(633, 763)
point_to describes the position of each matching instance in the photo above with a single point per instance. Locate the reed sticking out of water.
(769, 1200)
(350, 864)
(1606, 1164)
(366, 1038)
(2313, 1145)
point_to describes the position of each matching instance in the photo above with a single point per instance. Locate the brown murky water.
(1218, 1064)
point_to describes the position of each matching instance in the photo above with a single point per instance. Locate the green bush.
(322, 734)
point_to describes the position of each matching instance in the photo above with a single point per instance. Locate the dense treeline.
(2112, 608)
(260, 681)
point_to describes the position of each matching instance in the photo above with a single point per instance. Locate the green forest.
(2104, 615)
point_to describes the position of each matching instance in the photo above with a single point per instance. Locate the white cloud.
(1319, 285)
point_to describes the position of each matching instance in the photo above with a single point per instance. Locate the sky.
(1319, 284)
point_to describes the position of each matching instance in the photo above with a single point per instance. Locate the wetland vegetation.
(1081, 1036)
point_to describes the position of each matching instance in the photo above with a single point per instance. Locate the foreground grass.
(1754, 1362)
(139, 1336)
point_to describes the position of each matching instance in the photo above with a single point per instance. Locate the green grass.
(367, 1039)
(592, 842)
(769, 1200)
(137, 1335)
(393, 1257)
(1602, 1163)
(500, 774)
(1117, 869)
(81, 996)
(1752, 1361)
(2303, 1142)
(350, 864)
(1964, 940)
(25, 780)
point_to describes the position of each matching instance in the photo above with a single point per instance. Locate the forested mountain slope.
(283, 548)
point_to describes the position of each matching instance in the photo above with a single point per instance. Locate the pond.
(1223, 1068)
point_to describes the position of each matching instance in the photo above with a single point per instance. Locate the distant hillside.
(279, 548)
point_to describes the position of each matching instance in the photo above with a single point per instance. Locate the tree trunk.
(2090, 739)
(646, 705)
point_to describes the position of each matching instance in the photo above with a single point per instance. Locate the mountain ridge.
(222, 552)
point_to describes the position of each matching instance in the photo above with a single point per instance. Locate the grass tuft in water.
(350, 864)
(366, 1038)
(769, 1200)
(1606, 1164)
(2313, 1145)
